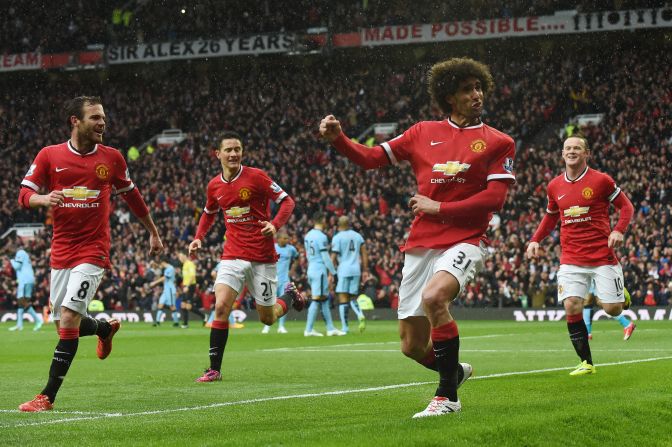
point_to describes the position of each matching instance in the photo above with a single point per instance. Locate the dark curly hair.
(444, 78)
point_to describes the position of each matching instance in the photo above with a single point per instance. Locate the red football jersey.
(452, 163)
(583, 205)
(81, 222)
(245, 200)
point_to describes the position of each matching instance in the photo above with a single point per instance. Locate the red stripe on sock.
(282, 304)
(574, 318)
(429, 359)
(445, 332)
(220, 324)
(68, 333)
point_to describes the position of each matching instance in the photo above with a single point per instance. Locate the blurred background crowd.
(93, 23)
(276, 103)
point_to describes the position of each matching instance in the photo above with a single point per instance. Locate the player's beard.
(93, 138)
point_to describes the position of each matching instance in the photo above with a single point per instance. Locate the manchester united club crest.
(244, 193)
(587, 193)
(478, 146)
(560, 289)
(102, 171)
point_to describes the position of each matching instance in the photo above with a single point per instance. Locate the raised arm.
(363, 156)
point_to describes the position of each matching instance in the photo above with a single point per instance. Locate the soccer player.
(347, 247)
(580, 199)
(168, 295)
(320, 270)
(81, 176)
(463, 169)
(628, 326)
(189, 297)
(25, 278)
(248, 256)
(288, 254)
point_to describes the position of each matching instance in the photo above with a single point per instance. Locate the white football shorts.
(74, 288)
(463, 261)
(574, 280)
(261, 278)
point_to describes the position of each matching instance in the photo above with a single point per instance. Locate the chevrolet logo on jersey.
(80, 193)
(575, 211)
(237, 211)
(451, 168)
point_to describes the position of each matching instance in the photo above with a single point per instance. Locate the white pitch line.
(308, 395)
(92, 413)
(345, 345)
(473, 350)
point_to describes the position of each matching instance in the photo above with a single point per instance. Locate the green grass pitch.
(283, 390)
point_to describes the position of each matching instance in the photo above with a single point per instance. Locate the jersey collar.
(240, 171)
(475, 126)
(583, 174)
(72, 149)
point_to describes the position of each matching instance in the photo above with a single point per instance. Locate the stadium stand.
(276, 103)
(22, 27)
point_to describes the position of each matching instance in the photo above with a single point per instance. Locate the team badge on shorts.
(245, 193)
(102, 171)
(587, 193)
(478, 146)
(560, 289)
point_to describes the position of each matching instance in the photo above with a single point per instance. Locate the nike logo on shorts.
(434, 143)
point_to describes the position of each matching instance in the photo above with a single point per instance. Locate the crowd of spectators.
(277, 108)
(32, 25)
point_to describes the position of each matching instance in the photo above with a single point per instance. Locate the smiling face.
(575, 153)
(467, 102)
(90, 128)
(230, 154)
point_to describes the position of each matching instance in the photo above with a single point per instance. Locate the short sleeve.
(272, 189)
(121, 178)
(501, 167)
(401, 147)
(335, 242)
(611, 189)
(324, 244)
(38, 174)
(211, 204)
(552, 207)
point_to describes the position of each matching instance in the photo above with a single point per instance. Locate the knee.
(266, 319)
(69, 318)
(222, 310)
(434, 300)
(613, 310)
(412, 350)
(573, 305)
